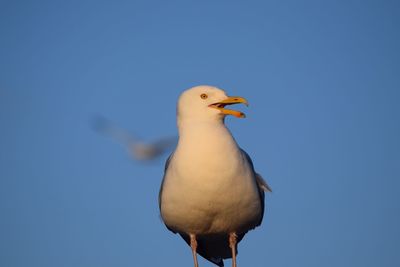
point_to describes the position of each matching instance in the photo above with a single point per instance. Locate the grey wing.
(104, 126)
(162, 182)
(153, 150)
(162, 186)
(166, 143)
(137, 148)
(261, 183)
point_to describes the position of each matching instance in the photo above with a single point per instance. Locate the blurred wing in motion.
(137, 148)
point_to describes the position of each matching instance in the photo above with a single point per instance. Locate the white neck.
(206, 142)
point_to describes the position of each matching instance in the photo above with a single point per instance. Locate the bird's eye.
(203, 96)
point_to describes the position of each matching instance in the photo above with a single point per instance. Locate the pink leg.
(232, 245)
(193, 245)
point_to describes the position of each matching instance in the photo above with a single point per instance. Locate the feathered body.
(210, 188)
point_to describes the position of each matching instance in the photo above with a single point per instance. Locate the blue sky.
(322, 79)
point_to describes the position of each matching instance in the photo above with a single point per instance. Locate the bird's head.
(207, 103)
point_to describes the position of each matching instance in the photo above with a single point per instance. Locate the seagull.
(137, 148)
(210, 193)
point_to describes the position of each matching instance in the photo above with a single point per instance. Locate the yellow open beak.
(230, 101)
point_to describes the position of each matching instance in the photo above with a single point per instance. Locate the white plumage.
(210, 193)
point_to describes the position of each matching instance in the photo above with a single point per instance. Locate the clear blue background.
(323, 126)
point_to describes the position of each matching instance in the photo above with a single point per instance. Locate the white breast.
(209, 186)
